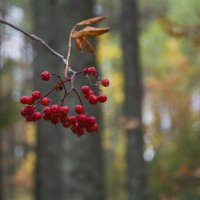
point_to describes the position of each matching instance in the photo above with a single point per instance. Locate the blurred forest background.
(147, 149)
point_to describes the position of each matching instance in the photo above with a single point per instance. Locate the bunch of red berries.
(77, 119)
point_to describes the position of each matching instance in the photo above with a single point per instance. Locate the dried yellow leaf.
(90, 31)
(79, 44)
(87, 44)
(91, 20)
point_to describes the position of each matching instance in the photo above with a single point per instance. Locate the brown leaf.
(90, 31)
(83, 42)
(87, 44)
(91, 20)
(79, 44)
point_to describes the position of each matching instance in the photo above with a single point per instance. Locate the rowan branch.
(35, 38)
(69, 51)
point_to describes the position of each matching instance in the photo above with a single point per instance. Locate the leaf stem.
(69, 51)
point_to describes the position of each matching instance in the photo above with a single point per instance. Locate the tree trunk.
(68, 167)
(136, 173)
(1, 155)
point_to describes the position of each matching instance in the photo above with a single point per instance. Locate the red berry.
(85, 89)
(29, 110)
(88, 94)
(82, 118)
(24, 99)
(76, 130)
(93, 99)
(91, 120)
(85, 70)
(30, 101)
(36, 94)
(45, 75)
(54, 121)
(95, 127)
(66, 124)
(91, 70)
(102, 98)
(45, 101)
(79, 109)
(64, 110)
(23, 111)
(80, 132)
(72, 119)
(36, 116)
(55, 115)
(29, 118)
(62, 118)
(105, 82)
(47, 110)
(55, 108)
(92, 128)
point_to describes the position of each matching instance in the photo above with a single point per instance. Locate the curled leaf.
(79, 44)
(83, 42)
(90, 31)
(91, 20)
(87, 45)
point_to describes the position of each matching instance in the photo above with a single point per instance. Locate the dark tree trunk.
(68, 167)
(2, 13)
(1, 155)
(83, 163)
(47, 25)
(136, 173)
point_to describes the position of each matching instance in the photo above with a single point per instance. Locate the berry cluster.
(77, 119)
(92, 98)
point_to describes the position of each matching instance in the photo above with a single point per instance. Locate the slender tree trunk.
(68, 167)
(136, 173)
(1, 155)
(2, 13)
(48, 24)
(83, 163)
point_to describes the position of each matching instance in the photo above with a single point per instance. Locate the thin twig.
(63, 99)
(78, 96)
(36, 38)
(69, 51)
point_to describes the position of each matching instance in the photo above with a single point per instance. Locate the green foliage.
(184, 12)
(8, 111)
(153, 45)
(172, 72)
(8, 108)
